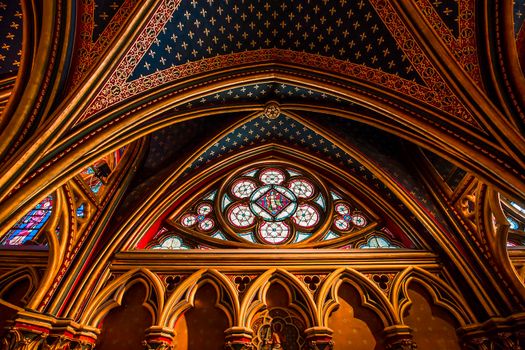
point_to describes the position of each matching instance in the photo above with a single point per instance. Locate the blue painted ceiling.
(10, 37)
(103, 13)
(346, 30)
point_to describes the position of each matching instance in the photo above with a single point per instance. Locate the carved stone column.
(496, 333)
(28, 337)
(19, 338)
(159, 338)
(399, 337)
(238, 338)
(501, 340)
(319, 338)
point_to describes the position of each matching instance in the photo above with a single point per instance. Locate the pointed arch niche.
(274, 193)
(279, 201)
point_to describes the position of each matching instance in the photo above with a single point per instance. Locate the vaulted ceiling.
(107, 73)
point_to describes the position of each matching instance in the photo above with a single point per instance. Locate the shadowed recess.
(432, 326)
(124, 327)
(355, 327)
(202, 327)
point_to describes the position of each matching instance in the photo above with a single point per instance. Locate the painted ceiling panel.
(180, 41)
(346, 30)
(519, 15)
(104, 11)
(100, 22)
(448, 11)
(267, 91)
(10, 37)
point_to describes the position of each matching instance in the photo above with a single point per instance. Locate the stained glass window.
(97, 174)
(376, 241)
(201, 218)
(27, 228)
(513, 223)
(172, 243)
(273, 205)
(81, 211)
(518, 207)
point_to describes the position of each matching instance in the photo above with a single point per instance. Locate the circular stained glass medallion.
(274, 232)
(188, 220)
(241, 216)
(359, 220)
(306, 216)
(272, 204)
(243, 188)
(272, 176)
(207, 224)
(301, 188)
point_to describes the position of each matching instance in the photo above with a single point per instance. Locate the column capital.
(507, 333)
(319, 338)
(238, 338)
(159, 338)
(399, 337)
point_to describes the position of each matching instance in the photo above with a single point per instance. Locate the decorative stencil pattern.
(99, 23)
(448, 11)
(104, 11)
(346, 30)
(149, 75)
(455, 23)
(267, 91)
(10, 37)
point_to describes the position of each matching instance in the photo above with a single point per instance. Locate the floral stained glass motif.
(241, 216)
(301, 188)
(272, 176)
(27, 228)
(243, 188)
(202, 218)
(272, 203)
(275, 205)
(345, 219)
(306, 216)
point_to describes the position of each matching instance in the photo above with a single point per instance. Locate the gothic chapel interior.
(262, 174)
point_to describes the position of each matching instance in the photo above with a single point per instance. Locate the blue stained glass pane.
(81, 211)
(517, 206)
(377, 242)
(513, 223)
(96, 187)
(26, 229)
(335, 196)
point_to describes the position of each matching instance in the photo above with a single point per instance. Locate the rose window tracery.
(274, 202)
(201, 219)
(274, 205)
